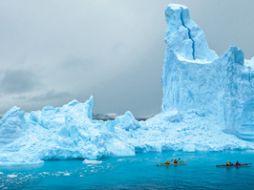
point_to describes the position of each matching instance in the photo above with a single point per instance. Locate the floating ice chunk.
(66, 174)
(12, 175)
(92, 162)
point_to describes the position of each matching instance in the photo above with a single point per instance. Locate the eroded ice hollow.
(207, 105)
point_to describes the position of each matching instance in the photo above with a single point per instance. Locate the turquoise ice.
(195, 78)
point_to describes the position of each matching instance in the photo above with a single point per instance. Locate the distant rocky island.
(112, 116)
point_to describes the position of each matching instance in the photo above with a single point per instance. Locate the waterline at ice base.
(207, 105)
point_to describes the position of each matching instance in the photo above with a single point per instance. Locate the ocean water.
(137, 172)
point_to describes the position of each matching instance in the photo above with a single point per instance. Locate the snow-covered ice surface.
(207, 105)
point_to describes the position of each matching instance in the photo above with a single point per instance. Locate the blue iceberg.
(207, 105)
(194, 77)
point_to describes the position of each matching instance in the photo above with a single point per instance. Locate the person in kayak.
(237, 163)
(228, 163)
(175, 161)
(167, 162)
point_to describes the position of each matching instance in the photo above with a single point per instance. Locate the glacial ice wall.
(194, 77)
(203, 96)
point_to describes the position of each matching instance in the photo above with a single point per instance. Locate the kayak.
(171, 164)
(233, 165)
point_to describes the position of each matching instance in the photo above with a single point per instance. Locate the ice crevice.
(189, 34)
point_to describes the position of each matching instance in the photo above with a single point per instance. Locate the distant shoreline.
(106, 117)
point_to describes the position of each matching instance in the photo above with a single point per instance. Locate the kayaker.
(175, 161)
(237, 163)
(167, 162)
(228, 163)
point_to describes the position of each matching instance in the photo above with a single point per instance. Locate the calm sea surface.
(137, 172)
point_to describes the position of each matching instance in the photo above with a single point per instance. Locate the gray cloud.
(77, 64)
(58, 50)
(18, 81)
(51, 96)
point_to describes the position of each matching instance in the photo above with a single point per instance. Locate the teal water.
(137, 172)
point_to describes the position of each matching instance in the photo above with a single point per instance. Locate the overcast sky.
(53, 51)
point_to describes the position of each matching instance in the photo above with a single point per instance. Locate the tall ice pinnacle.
(195, 79)
(184, 38)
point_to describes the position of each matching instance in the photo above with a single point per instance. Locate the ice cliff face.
(203, 96)
(194, 77)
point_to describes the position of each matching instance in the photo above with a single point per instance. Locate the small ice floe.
(63, 173)
(12, 176)
(66, 174)
(1, 173)
(45, 174)
(92, 162)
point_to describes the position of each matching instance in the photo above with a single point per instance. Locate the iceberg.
(66, 132)
(194, 77)
(207, 105)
